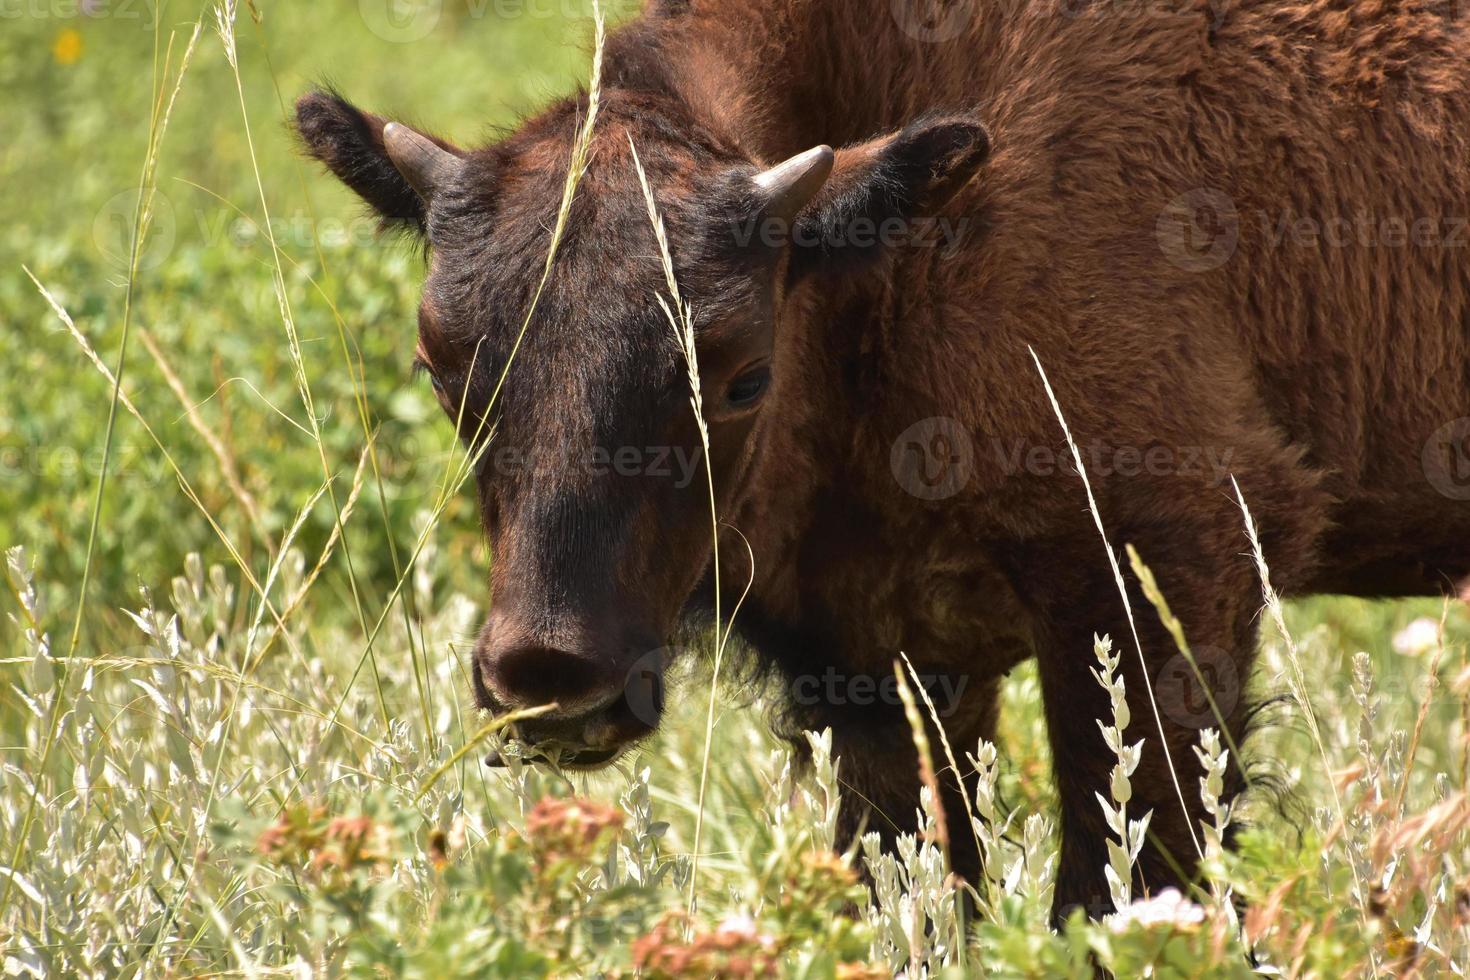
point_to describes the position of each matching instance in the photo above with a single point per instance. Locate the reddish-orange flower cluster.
(349, 842)
(559, 830)
(338, 843)
(292, 834)
(734, 949)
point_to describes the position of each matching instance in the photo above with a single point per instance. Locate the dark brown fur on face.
(1234, 234)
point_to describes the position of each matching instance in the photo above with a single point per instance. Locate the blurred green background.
(82, 80)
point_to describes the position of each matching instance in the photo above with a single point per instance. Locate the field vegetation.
(243, 577)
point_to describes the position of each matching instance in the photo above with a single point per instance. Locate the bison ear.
(903, 177)
(393, 168)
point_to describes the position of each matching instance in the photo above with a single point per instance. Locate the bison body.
(1233, 234)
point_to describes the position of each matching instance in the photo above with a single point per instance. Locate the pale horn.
(790, 186)
(426, 165)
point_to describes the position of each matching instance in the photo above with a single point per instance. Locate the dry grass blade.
(1298, 683)
(949, 755)
(1155, 596)
(681, 320)
(1432, 682)
(142, 216)
(489, 728)
(132, 409)
(1127, 606)
(927, 775)
(228, 468)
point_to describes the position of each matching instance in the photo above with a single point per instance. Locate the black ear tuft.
(935, 158)
(883, 193)
(350, 142)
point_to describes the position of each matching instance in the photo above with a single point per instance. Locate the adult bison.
(1234, 234)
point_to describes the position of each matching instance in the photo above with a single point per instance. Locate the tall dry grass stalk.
(954, 766)
(225, 14)
(164, 98)
(1432, 680)
(459, 469)
(1296, 676)
(927, 776)
(229, 469)
(1175, 628)
(681, 320)
(1127, 605)
(930, 782)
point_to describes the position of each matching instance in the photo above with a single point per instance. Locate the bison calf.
(1234, 234)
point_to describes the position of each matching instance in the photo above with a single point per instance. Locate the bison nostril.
(531, 676)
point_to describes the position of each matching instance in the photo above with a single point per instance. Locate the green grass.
(207, 783)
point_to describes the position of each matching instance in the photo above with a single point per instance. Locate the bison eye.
(747, 389)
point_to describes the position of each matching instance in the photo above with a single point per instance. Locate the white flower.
(1418, 638)
(1168, 907)
(738, 925)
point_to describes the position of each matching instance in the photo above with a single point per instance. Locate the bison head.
(591, 479)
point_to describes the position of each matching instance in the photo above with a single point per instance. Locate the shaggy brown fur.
(1234, 233)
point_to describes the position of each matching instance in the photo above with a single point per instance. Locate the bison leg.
(1213, 600)
(880, 774)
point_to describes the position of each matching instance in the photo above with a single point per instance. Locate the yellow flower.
(68, 47)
